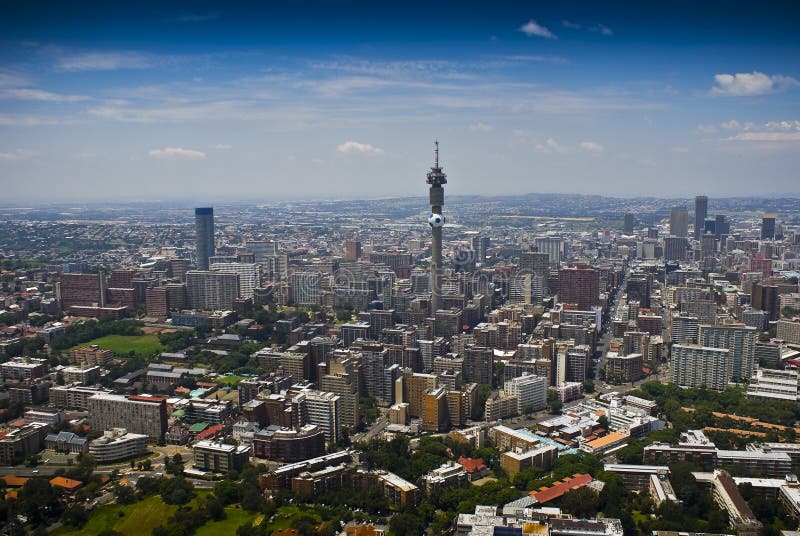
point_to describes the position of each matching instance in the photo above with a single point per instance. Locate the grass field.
(229, 380)
(143, 345)
(138, 518)
(142, 517)
(286, 516)
(235, 518)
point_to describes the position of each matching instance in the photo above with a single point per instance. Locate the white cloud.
(354, 147)
(706, 129)
(17, 154)
(602, 29)
(480, 127)
(592, 147)
(104, 61)
(550, 146)
(570, 24)
(39, 95)
(177, 152)
(532, 28)
(750, 84)
(771, 131)
(223, 147)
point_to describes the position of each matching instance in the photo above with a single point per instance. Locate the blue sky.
(204, 101)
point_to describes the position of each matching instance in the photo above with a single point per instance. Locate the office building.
(579, 286)
(679, 222)
(764, 297)
(701, 366)
(84, 290)
(20, 443)
(321, 409)
(700, 215)
(210, 291)
(675, 248)
(553, 246)
(220, 457)
(768, 226)
(627, 225)
(204, 235)
(117, 445)
(352, 250)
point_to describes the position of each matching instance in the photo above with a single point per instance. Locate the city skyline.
(268, 102)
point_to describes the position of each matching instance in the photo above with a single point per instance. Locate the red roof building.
(546, 494)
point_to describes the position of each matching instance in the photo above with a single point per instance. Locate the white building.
(116, 445)
(249, 275)
(530, 390)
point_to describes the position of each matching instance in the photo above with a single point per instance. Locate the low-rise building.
(220, 457)
(116, 445)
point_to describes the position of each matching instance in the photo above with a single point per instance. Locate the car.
(35, 471)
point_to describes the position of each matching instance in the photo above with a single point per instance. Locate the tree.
(581, 502)
(226, 491)
(214, 508)
(75, 516)
(176, 490)
(555, 406)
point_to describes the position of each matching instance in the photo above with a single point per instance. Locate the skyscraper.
(627, 226)
(700, 214)
(204, 235)
(679, 222)
(579, 285)
(436, 178)
(768, 226)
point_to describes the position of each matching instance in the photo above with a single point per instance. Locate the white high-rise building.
(530, 390)
(249, 275)
(211, 290)
(701, 366)
(739, 339)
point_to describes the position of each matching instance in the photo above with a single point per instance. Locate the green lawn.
(143, 345)
(229, 380)
(138, 518)
(236, 517)
(286, 516)
(142, 517)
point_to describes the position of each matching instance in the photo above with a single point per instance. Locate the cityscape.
(446, 324)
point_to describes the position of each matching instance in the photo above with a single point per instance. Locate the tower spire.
(436, 152)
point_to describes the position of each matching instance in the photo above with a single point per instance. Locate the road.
(373, 430)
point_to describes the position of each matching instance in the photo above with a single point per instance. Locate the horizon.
(312, 101)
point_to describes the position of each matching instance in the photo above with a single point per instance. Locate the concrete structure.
(739, 339)
(579, 286)
(117, 445)
(530, 390)
(204, 235)
(249, 275)
(211, 291)
(700, 366)
(700, 214)
(138, 414)
(220, 457)
(436, 178)
(679, 222)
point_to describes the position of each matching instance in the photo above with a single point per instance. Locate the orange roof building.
(546, 494)
(68, 484)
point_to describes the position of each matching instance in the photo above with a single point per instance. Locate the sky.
(101, 101)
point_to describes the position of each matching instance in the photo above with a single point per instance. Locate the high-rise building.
(249, 275)
(627, 226)
(700, 214)
(721, 226)
(768, 226)
(82, 290)
(530, 390)
(694, 365)
(739, 339)
(204, 235)
(679, 222)
(138, 414)
(579, 285)
(321, 409)
(352, 250)
(674, 248)
(552, 245)
(306, 287)
(765, 298)
(211, 290)
(436, 178)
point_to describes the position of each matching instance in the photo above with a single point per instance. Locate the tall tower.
(436, 178)
(700, 215)
(204, 235)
